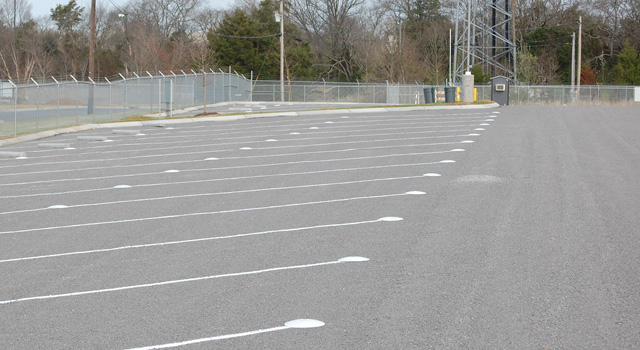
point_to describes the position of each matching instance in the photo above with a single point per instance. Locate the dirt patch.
(207, 114)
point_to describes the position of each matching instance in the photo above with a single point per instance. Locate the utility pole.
(450, 74)
(468, 37)
(573, 64)
(514, 35)
(92, 51)
(125, 17)
(579, 55)
(282, 50)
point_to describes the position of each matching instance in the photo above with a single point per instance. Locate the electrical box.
(500, 90)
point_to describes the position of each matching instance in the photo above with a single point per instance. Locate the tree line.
(402, 41)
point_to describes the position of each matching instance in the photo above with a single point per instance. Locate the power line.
(117, 8)
(246, 37)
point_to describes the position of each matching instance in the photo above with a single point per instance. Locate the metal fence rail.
(42, 106)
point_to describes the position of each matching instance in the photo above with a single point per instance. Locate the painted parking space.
(233, 209)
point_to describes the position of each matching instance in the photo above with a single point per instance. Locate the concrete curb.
(84, 127)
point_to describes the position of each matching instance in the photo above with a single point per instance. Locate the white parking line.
(209, 194)
(220, 151)
(228, 211)
(333, 130)
(164, 283)
(198, 240)
(302, 323)
(248, 166)
(197, 129)
(220, 337)
(217, 158)
(356, 142)
(242, 177)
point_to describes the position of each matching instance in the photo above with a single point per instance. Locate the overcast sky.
(43, 7)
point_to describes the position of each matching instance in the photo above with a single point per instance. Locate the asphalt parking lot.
(506, 228)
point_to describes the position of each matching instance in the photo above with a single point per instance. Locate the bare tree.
(11, 18)
(202, 58)
(207, 19)
(19, 50)
(372, 46)
(611, 14)
(331, 26)
(167, 16)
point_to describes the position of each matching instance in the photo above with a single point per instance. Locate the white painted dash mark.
(390, 219)
(353, 259)
(172, 171)
(305, 323)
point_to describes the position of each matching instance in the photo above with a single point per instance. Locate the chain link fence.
(565, 95)
(269, 91)
(43, 106)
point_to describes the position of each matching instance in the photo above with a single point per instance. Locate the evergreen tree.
(250, 42)
(421, 15)
(74, 46)
(627, 71)
(236, 43)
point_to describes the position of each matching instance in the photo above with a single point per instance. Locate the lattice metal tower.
(484, 35)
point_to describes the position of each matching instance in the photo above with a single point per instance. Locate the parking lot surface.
(506, 228)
